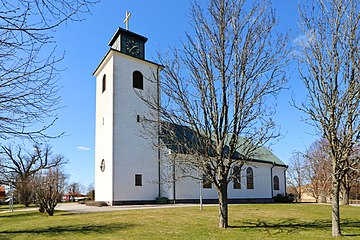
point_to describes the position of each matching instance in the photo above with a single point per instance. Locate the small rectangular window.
(138, 180)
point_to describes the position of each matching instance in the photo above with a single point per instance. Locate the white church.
(128, 169)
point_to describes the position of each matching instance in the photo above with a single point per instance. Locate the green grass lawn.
(248, 221)
(16, 206)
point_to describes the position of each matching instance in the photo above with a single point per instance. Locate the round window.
(102, 165)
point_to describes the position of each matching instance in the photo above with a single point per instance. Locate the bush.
(96, 203)
(284, 199)
(161, 200)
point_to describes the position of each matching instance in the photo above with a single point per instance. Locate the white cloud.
(305, 40)
(81, 148)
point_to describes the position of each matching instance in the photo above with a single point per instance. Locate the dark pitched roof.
(184, 140)
(126, 32)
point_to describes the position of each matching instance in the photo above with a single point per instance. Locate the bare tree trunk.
(335, 218)
(223, 207)
(346, 184)
(323, 198)
(50, 212)
(25, 197)
(346, 196)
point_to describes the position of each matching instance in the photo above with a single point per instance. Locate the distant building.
(2, 193)
(74, 197)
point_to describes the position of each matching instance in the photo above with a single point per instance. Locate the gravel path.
(82, 208)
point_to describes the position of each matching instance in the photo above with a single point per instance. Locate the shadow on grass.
(4, 238)
(84, 229)
(293, 225)
(21, 214)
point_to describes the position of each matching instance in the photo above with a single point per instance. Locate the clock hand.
(133, 47)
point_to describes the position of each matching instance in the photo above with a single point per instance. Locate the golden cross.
(127, 19)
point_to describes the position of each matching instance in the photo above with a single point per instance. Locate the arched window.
(104, 83)
(276, 183)
(237, 177)
(138, 80)
(250, 178)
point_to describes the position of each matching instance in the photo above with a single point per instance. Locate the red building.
(2, 193)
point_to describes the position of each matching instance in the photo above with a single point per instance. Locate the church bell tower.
(126, 161)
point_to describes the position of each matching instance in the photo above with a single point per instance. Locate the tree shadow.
(349, 223)
(84, 229)
(30, 214)
(293, 225)
(19, 214)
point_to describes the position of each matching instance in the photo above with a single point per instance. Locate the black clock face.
(133, 47)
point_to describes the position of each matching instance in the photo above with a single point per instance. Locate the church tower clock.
(126, 162)
(129, 43)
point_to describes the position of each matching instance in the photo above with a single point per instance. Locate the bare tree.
(352, 176)
(296, 174)
(28, 72)
(49, 187)
(329, 68)
(318, 170)
(90, 192)
(355, 188)
(19, 166)
(74, 189)
(218, 90)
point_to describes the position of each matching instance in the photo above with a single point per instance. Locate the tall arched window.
(276, 183)
(249, 178)
(104, 83)
(138, 80)
(237, 177)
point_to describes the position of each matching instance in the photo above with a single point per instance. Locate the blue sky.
(164, 24)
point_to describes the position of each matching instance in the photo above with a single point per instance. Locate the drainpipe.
(174, 181)
(158, 129)
(286, 167)
(201, 179)
(271, 180)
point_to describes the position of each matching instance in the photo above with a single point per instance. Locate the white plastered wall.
(103, 132)
(134, 150)
(189, 188)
